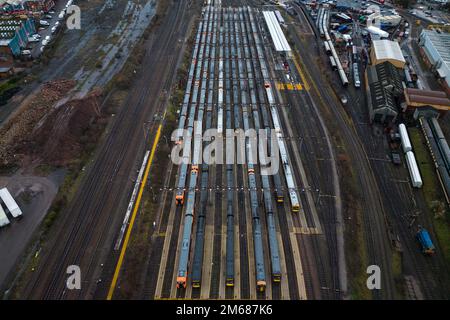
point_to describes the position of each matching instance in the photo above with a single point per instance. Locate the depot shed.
(387, 50)
(417, 99)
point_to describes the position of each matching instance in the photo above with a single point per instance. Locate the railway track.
(86, 228)
(374, 222)
(241, 100)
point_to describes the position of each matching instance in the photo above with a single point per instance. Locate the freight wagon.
(425, 242)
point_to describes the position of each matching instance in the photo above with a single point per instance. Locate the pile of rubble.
(66, 133)
(30, 116)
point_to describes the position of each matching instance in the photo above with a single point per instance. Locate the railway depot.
(331, 93)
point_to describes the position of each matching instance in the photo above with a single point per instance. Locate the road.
(36, 47)
(87, 228)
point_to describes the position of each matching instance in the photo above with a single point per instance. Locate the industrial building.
(14, 33)
(435, 50)
(279, 40)
(389, 21)
(387, 50)
(417, 99)
(384, 92)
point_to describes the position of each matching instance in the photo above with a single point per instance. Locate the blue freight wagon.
(425, 242)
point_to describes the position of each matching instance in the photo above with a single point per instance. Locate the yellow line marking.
(288, 86)
(133, 217)
(307, 87)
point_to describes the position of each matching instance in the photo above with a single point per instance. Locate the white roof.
(10, 203)
(387, 50)
(3, 218)
(13, 2)
(377, 31)
(278, 38)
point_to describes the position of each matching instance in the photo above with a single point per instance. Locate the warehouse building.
(384, 92)
(418, 99)
(279, 41)
(14, 33)
(435, 50)
(387, 50)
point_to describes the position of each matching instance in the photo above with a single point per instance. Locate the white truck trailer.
(10, 203)
(4, 221)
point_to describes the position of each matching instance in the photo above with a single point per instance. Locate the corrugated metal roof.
(387, 50)
(439, 41)
(429, 100)
(428, 93)
(278, 38)
(417, 98)
(437, 48)
(381, 98)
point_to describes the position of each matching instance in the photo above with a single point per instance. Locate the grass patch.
(356, 255)
(44, 170)
(397, 270)
(9, 88)
(432, 191)
(8, 169)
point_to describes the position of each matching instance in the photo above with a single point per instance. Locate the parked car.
(396, 158)
(44, 23)
(33, 39)
(47, 16)
(25, 52)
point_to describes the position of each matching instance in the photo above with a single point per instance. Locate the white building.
(436, 51)
(387, 50)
